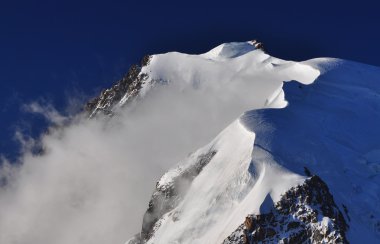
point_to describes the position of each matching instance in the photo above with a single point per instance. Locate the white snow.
(229, 50)
(237, 100)
(230, 79)
(229, 72)
(234, 184)
(330, 126)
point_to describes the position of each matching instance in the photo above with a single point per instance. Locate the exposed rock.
(258, 45)
(293, 225)
(128, 87)
(305, 214)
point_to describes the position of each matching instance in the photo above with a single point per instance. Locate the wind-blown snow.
(233, 184)
(330, 127)
(94, 182)
(232, 71)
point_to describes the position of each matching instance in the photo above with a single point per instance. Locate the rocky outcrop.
(258, 45)
(127, 88)
(168, 194)
(305, 214)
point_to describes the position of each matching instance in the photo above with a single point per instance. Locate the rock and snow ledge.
(306, 213)
(328, 121)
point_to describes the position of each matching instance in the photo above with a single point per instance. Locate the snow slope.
(233, 184)
(330, 126)
(231, 70)
(333, 127)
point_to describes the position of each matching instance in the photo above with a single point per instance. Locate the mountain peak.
(222, 66)
(232, 50)
(259, 159)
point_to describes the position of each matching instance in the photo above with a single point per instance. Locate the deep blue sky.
(51, 49)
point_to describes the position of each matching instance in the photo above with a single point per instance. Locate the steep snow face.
(330, 127)
(228, 80)
(203, 94)
(233, 184)
(229, 72)
(89, 170)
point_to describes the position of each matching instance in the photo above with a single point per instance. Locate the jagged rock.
(305, 214)
(258, 45)
(293, 225)
(128, 87)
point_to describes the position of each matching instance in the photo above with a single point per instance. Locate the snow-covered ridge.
(228, 63)
(234, 183)
(236, 68)
(305, 214)
(229, 50)
(326, 124)
(258, 128)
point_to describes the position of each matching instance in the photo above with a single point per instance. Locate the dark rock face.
(128, 86)
(305, 214)
(166, 196)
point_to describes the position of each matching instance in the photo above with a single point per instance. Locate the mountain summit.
(299, 161)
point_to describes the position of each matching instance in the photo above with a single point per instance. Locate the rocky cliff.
(125, 89)
(305, 214)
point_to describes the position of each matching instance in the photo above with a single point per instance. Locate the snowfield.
(328, 121)
(233, 184)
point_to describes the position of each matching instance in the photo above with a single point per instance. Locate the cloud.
(93, 182)
(47, 111)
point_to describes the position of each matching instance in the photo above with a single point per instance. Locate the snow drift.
(261, 129)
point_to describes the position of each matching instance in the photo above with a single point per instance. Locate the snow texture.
(330, 126)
